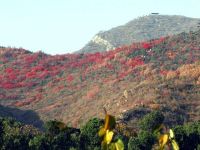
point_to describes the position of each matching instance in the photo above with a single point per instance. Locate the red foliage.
(8, 85)
(146, 45)
(70, 78)
(38, 68)
(109, 66)
(31, 75)
(43, 74)
(29, 59)
(12, 77)
(27, 70)
(9, 70)
(21, 84)
(136, 61)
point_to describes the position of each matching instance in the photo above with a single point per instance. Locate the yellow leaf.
(106, 122)
(102, 132)
(175, 145)
(109, 136)
(109, 122)
(171, 134)
(119, 145)
(163, 140)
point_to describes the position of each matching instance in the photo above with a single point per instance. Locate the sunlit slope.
(157, 74)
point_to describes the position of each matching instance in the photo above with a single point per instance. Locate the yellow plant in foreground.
(167, 139)
(107, 133)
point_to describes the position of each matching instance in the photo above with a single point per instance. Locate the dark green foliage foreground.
(57, 136)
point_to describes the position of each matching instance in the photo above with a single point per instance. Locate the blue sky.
(63, 26)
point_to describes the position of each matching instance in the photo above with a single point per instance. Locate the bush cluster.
(58, 136)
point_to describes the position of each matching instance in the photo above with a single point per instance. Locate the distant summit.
(140, 29)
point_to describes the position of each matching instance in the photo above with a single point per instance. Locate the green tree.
(13, 137)
(40, 142)
(151, 121)
(144, 140)
(66, 141)
(53, 127)
(1, 132)
(188, 135)
(89, 134)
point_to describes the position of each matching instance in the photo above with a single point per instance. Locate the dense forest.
(56, 135)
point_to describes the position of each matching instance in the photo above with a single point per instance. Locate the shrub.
(151, 121)
(1, 132)
(188, 136)
(53, 127)
(89, 134)
(144, 140)
(68, 138)
(12, 137)
(40, 142)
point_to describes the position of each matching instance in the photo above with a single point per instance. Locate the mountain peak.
(140, 29)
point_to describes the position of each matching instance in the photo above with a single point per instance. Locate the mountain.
(140, 29)
(129, 81)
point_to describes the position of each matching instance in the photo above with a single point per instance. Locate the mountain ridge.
(141, 29)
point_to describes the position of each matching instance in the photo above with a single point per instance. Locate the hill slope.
(158, 74)
(140, 29)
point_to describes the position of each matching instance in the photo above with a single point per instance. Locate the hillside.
(140, 29)
(25, 116)
(160, 74)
